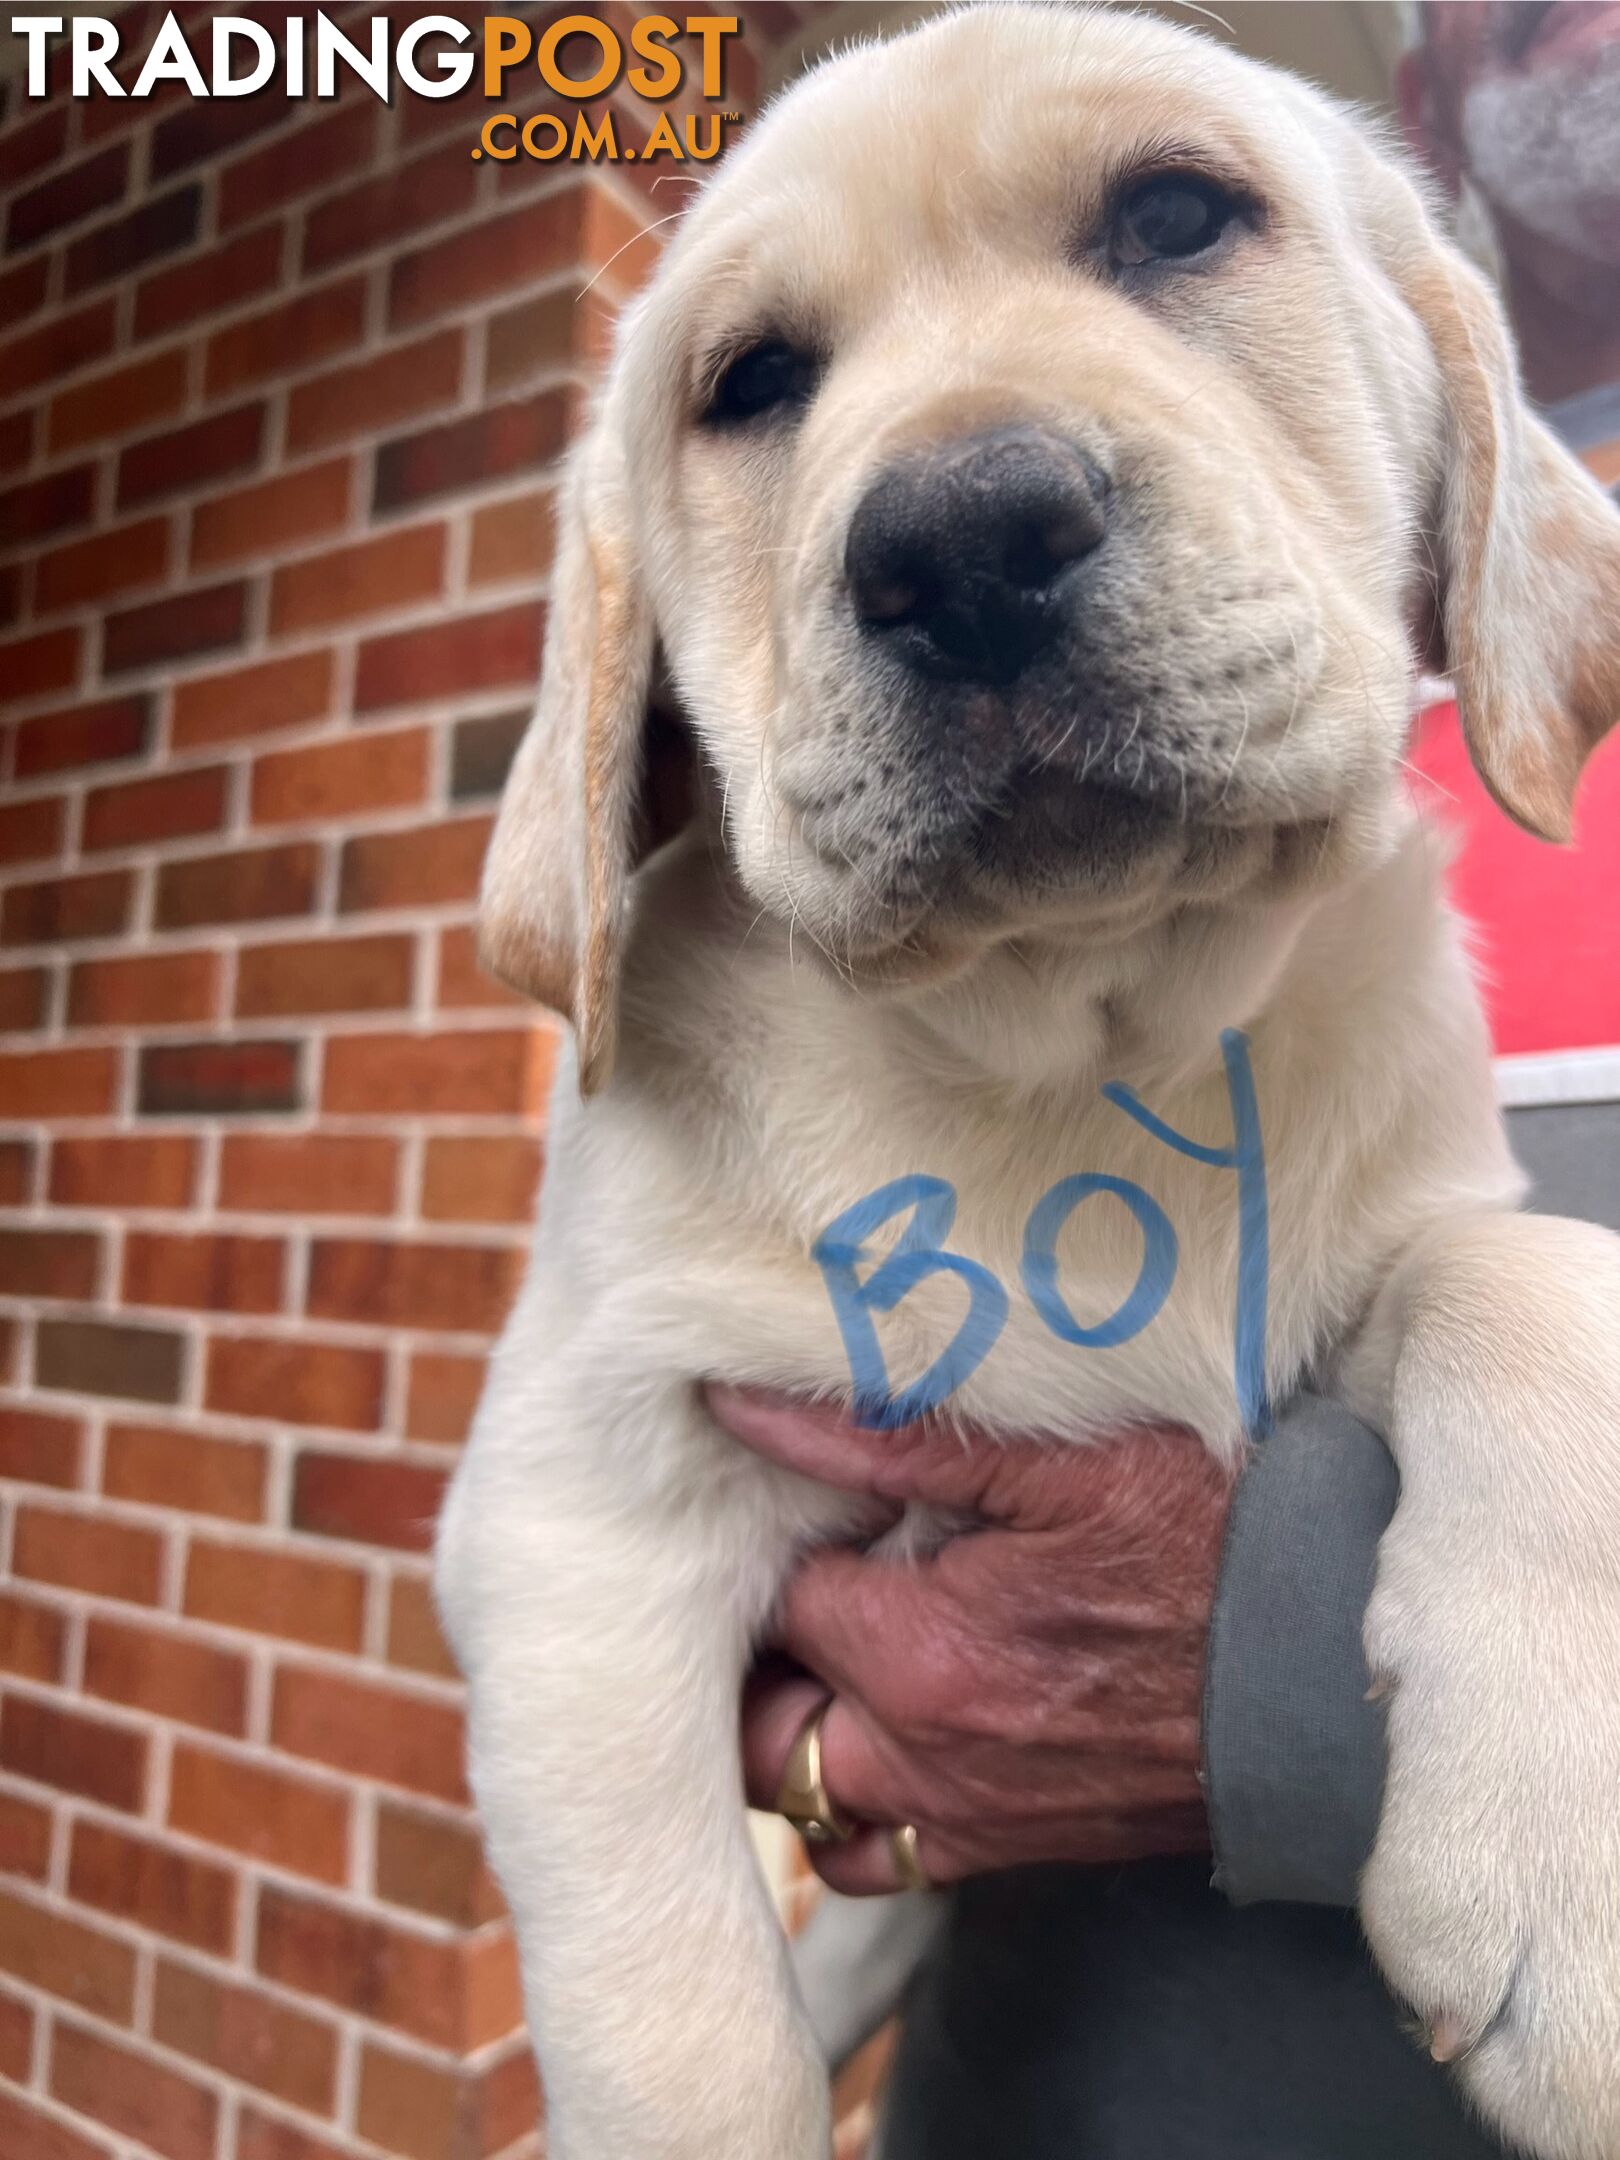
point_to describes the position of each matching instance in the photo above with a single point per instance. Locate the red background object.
(1548, 918)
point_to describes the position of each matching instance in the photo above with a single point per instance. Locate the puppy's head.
(1044, 455)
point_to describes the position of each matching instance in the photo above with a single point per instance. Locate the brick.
(45, 1948)
(487, 1073)
(302, 162)
(367, 1965)
(432, 1864)
(56, 910)
(58, 1083)
(13, 589)
(389, 1283)
(486, 261)
(170, 806)
(309, 1173)
(455, 658)
(87, 1552)
(415, 1639)
(364, 397)
(201, 132)
(268, 1814)
(442, 1395)
(113, 562)
(103, 1357)
(77, 191)
(22, 999)
(297, 332)
(16, 428)
(512, 541)
(95, 734)
(17, 1157)
(341, 779)
(22, 291)
(38, 1447)
(370, 1500)
(23, 992)
(75, 1753)
(26, 148)
(480, 1180)
(27, 2133)
(394, 206)
(251, 701)
(362, 974)
(38, 1263)
(164, 1466)
(205, 620)
(32, 1638)
(539, 335)
(146, 1170)
(33, 667)
(265, 2137)
(154, 989)
(427, 2110)
(251, 2037)
(617, 240)
(222, 1079)
(370, 1730)
(120, 402)
(29, 830)
(162, 226)
(132, 2094)
(16, 2039)
(35, 509)
(205, 285)
(208, 1271)
(271, 516)
(296, 1381)
(495, 443)
(462, 983)
(167, 1674)
(396, 570)
(424, 866)
(25, 1845)
(56, 347)
(186, 458)
(266, 1591)
(240, 886)
(156, 1886)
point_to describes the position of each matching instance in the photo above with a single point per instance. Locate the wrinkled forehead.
(990, 136)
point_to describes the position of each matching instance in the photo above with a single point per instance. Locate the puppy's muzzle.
(966, 561)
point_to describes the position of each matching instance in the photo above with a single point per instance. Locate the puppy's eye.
(765, 377)
(1170, 218)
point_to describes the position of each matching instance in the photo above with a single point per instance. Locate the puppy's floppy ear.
(554, 892)
(1527, 558)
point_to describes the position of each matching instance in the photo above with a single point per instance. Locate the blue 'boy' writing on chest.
(921, 1252)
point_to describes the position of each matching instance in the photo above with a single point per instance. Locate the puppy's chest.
(1058, 1268)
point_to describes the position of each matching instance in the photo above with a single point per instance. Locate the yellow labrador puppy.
(1039, 462)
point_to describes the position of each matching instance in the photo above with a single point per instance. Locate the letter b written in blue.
(840, 1251)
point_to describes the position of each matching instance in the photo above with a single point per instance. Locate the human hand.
(1030, 1692)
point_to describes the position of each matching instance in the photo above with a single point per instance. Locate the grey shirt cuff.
(1293, 1751)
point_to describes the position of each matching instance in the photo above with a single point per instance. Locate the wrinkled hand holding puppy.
(1039, 462)
(1031, 1691)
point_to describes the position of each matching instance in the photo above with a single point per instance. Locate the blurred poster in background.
(1516, 110)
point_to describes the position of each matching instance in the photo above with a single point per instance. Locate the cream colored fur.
(793, 1005)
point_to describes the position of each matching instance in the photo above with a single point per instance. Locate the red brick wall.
(280, 390)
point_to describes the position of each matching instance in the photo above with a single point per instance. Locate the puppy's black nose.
(956, 555)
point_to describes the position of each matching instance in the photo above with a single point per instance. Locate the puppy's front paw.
(1492, 1899)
